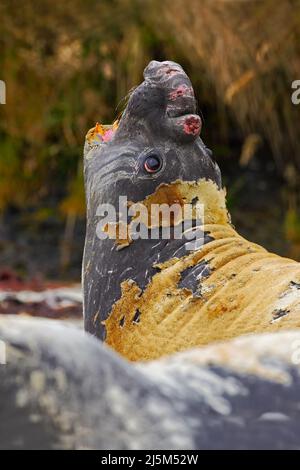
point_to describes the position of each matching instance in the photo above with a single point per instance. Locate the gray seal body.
(160, 119)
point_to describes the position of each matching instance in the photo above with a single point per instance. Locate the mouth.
(181, 105)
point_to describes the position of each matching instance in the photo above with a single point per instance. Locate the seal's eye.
(152, 163)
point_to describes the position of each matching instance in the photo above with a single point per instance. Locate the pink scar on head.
(108, 135)
(192, 125)
(182, 90)
(101, 133)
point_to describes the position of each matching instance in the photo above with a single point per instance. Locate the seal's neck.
(203, 197)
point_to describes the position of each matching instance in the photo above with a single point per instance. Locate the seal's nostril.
(192, 125)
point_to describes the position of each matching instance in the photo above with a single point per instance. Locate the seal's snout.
(179, 98)
(162, 70)
(164, 104)
(172, 79)
(141, 181)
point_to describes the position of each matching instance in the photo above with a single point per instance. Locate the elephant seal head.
(153, 156)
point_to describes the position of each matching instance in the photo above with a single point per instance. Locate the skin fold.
(149, 298)
(61, 388)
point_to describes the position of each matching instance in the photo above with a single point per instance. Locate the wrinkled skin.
(61, 388)
(160, 117)
(156, 297)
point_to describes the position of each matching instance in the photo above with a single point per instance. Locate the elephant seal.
(151, 297)
(63, 389)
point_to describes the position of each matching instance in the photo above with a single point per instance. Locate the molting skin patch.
(179, 303)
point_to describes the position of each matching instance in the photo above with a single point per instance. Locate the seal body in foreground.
(151, 297)
(62, 389)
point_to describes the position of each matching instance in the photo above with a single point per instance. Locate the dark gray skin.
(62, 388)
(159, 118)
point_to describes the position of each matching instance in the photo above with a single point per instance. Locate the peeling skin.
(118, 230)
(180, 193)
(184, 192)
(243, 289)
(191, 276)
(236, 298)
(101, 133)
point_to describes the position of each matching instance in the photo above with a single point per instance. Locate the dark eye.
(152, 163)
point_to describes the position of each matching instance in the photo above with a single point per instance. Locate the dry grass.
(250, 51)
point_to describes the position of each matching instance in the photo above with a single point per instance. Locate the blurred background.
(69, 64)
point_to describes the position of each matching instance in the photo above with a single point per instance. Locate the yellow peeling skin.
(248, 289)
(96, 133)
(177, 193)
